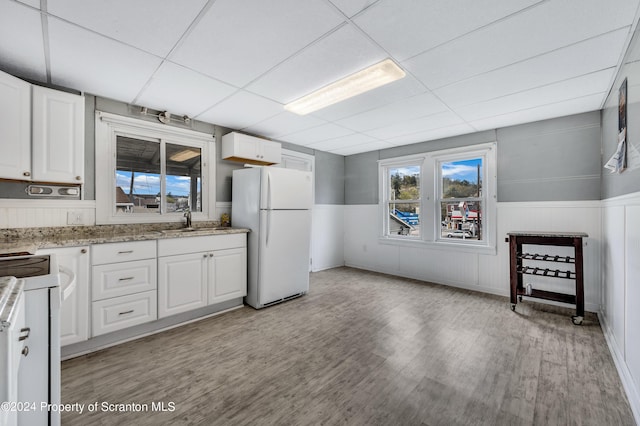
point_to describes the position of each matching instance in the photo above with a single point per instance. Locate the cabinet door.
(182, 283)
(270, 152)
(229, 275)
(247, 148)
(74, 311)
(58, 136)
(15, 128)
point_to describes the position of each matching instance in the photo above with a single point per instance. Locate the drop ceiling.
(470, 65)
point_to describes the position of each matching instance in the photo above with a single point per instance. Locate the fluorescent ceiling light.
(368, 79)
(184, 155)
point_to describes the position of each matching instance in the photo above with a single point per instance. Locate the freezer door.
(284, 254)
(285, 189)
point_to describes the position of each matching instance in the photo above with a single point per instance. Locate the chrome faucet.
(187, 214)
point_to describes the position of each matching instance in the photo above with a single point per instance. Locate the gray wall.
(629, 180)
(329, 185)
(329, 178)
(549, 160)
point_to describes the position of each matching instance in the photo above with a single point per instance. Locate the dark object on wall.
(622, 118)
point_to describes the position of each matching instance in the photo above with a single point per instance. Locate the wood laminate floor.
(364, 349)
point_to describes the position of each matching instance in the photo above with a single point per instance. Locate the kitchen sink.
(188, 230)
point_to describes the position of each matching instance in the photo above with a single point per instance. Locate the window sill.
(440, 245)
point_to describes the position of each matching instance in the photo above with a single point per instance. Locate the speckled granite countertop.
(28, 240)
(10, 290)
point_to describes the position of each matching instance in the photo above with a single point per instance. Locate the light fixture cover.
(362, 81)
(185, 154)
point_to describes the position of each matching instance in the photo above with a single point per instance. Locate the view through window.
(460, 199)
(404, 200)
(145, 167)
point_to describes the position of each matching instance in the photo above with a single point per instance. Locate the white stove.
(39, 375)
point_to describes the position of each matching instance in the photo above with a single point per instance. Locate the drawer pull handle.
(125, 279)
(25, 351)
(125, 252)
(126, 312)
(26, 336)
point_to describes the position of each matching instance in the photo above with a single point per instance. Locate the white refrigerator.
(275, 204)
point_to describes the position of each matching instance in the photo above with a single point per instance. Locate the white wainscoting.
(44, 213)
(327, 237)
(482, 272)
(620, 314)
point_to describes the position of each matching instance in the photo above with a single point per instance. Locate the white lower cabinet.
(215, 271)
(229, 275)
(182, 284)
(74, 311)
(124, 293)
(125, 311)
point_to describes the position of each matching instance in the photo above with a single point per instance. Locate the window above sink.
(148, 172)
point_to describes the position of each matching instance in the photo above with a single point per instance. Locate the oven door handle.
(69, 288)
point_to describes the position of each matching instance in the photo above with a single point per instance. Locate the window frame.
(431, 197)
(385, 199)
(108, 128)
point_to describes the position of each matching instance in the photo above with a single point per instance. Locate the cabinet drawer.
(121, 279)
(124, 311)
(178, 246)
(122, 252)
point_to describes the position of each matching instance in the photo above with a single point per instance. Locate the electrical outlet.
(74, 218)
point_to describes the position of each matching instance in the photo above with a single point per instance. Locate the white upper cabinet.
(15, 128)
(41, 133)
(249, 149)
(58, 136)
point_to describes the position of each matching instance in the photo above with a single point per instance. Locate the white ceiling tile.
(352, 7)
(389, 93)
(356, 149)
(405, 109)
(237, 41)
(284, 123)
(241, 110)
(341, 53)
(154, 26)
(342, 142)
(428, 135)
(32, 3)
(408, 27)
(92, 63)
(442, 119)
(597, 82)
(182, 91)
(317, 134)
(552, 67)
(21, 45)
(543, 28)
(560, 109)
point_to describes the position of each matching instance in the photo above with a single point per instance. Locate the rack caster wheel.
(519, 298)
(513, 307)
(577, 320)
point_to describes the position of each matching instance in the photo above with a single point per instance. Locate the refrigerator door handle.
(268, 227)
(269, 191)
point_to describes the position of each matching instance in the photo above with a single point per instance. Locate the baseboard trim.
(589, 307)
(623, 371)
(324, 268)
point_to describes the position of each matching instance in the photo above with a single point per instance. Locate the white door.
(285, 189)
(284, 254)
(15, 128)
(229, 275)
(74, 311)
(182, 283)
(58, 136)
